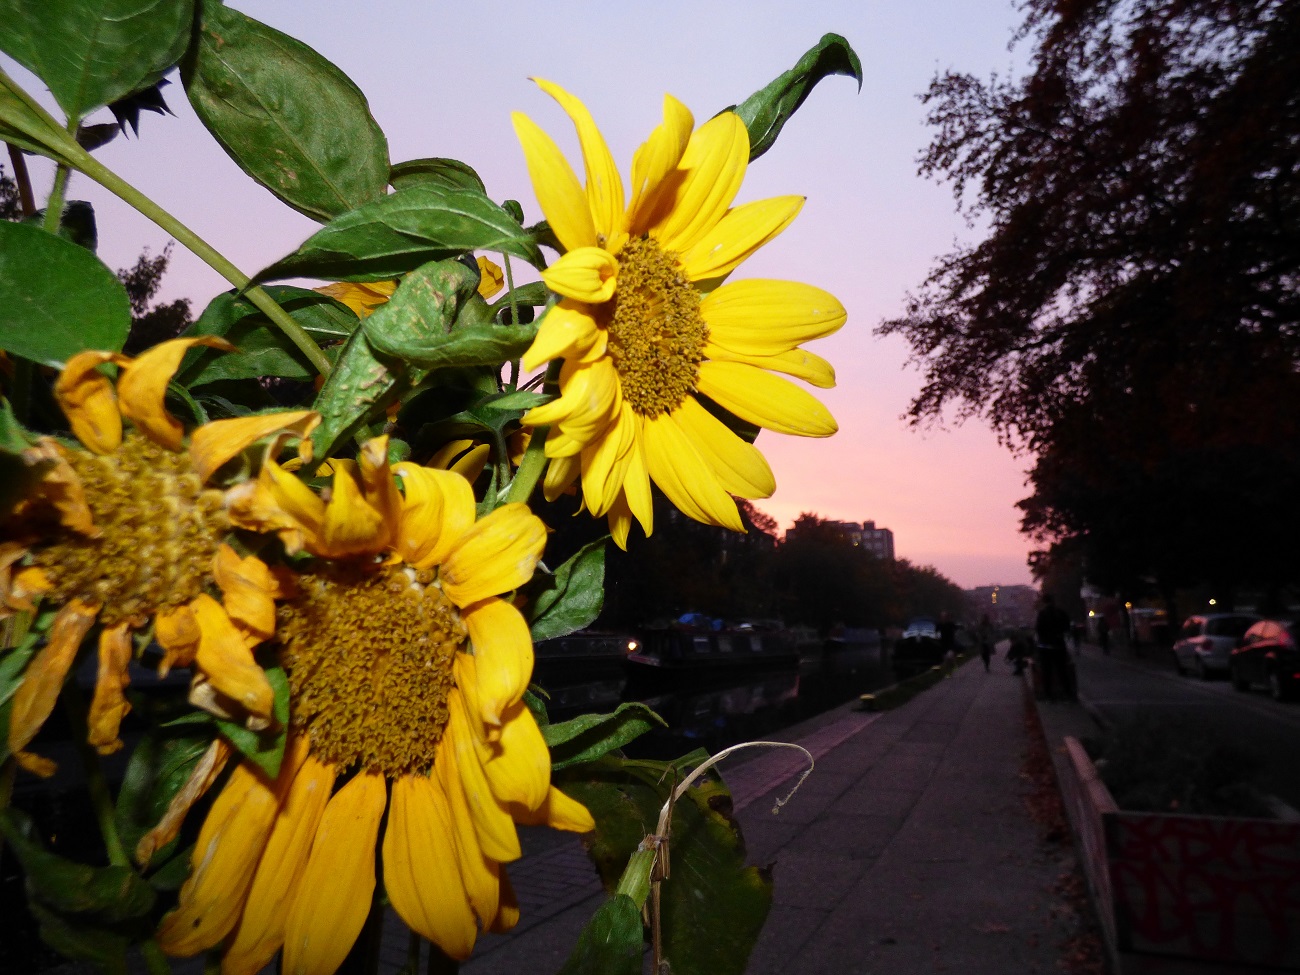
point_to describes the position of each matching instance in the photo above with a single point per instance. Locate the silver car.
(1205, 642)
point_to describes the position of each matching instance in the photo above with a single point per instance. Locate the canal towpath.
(910, 849)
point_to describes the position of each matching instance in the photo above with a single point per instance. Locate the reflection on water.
(712, 712)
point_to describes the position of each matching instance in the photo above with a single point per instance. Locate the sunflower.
(363, 297)
(644, 329)
(130, 529)
(407, 671)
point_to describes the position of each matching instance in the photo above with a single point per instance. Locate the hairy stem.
(534, 462)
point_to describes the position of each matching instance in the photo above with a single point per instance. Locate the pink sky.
(443, 79)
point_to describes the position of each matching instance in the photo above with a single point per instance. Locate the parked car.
(1269, 655)
(1205, 642)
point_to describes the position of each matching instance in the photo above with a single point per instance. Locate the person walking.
(948, 643)
(1051, 627)
(984, 633)
(1103, 634)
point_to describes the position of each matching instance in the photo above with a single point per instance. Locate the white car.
(1205, 642)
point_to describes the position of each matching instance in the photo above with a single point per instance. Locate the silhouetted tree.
(151, 323)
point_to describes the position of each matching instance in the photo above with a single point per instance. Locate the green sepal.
(592, 736)
(571, 597)
(105, 894)
(264, 350)
(451, 173)
(56, 299)
(159, 766)
(611, 942)
(713, 905)
(92, 52)
(289, 117)
(265, 749)
(767, 110)
(402, 231)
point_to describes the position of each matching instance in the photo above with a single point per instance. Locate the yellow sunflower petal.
(604, 184)
(206, 771)
(765, 317)
(561, 472)
(87, 399)
(766, 400)
(654, 161)
(519, 770)
(604, 465)
(18, 588)
(799, 363)
(586, 274)
(561, 446)
(492, 823)
(225, 659)
(712, 169)
(421, 870)
(471, 465)
(480, 875)
(177, 632)
(448, 452)
(636, 485)
(261, 928)
(143, 384)
(620, 522)
(109, 705)
(590, 399)
(362, 297)
(496, 555)
(214, 443)
(43, 679)
(555, 185)
(281, 501)
(490, 278)
(352, 525)
(61, 486)
(558, 811)
(247, 588)
(437, 510)
(737, 235)
(377, 480)
(739, 466)
(566, 328)
(229, 846)
(682, 474)
(332, 898)
(508, 911)
(503, 649)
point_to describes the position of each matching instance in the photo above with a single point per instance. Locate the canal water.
(712, 711)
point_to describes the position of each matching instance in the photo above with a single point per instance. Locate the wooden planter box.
(1184, 893)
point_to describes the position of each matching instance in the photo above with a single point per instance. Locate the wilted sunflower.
(644, 328)
(385, 695)
(363, 297)
(129, 530)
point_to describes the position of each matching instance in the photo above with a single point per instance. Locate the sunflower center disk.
(369, 654)
(656, 334)
(159, 531)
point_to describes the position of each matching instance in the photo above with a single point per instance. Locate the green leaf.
(92, 52)
(404, 230)
(571, 598)
(13, 438)
(535, 294)
(264, 350)
(16, 475)
(611, 943)
(360, 386)
(265, 749)
(421, 324)
(160, 764)
(56, 299)
(451, 173)
(81, 942)
(109, 894)
(290, 119)
(537, 706)
(766, 111)
(713, 904)
(591, 736)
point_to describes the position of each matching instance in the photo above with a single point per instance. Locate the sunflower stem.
(534, 462)
(26, 198)
(54, 205)
(261, 300)
(101, 801)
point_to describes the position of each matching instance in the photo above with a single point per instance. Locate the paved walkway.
(909, 849)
